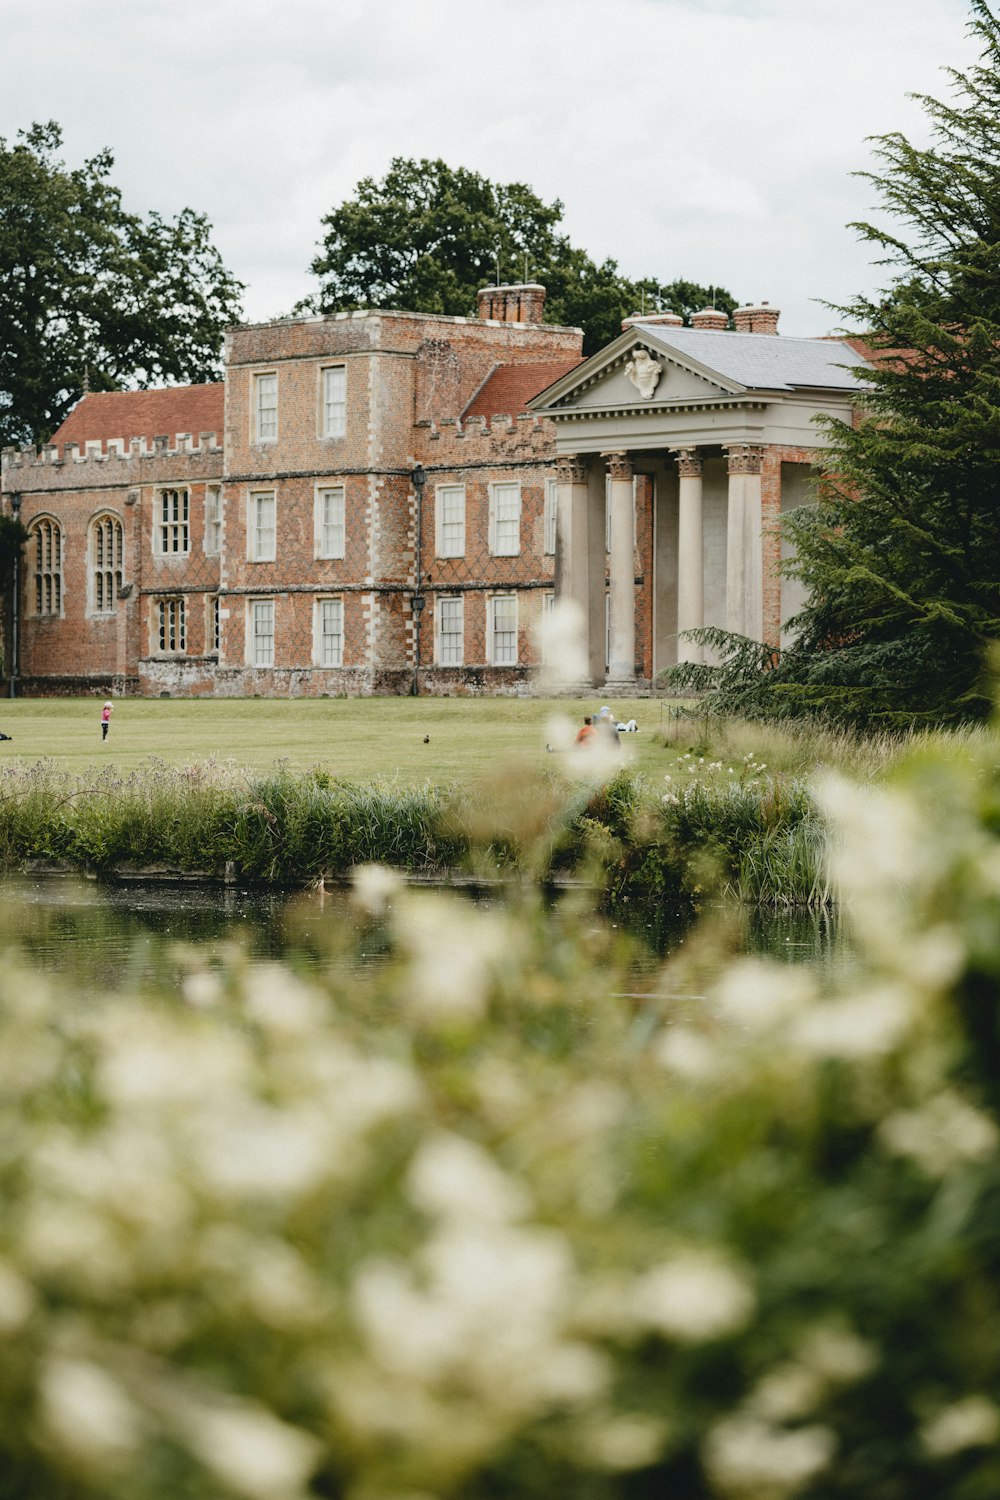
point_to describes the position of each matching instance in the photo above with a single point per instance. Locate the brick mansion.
(390, 502)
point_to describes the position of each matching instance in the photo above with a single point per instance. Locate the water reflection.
(113, 936)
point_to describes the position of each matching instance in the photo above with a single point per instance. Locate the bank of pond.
(704, 828)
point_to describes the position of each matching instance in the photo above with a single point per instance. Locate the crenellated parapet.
(489, 440)
(113, 461)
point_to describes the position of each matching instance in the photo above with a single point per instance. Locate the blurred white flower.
(454, 1178)
(374, 887)
(454, 951)
(151, 1059)
(88, 1413)
(973, 1422)
(561, 643)
(943, 1133)
(248, 1449)
(787, 1392)
(280, 1002)
(688, 1053)
(255, 1150)
(621, 1443)
(864, 1025)
(694, 1296)
(17, 1300)
(837, 1353)
(759, 996)
(747, 1457)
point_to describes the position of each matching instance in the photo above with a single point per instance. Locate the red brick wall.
(770, 497)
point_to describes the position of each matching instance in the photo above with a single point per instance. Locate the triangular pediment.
(634, 372)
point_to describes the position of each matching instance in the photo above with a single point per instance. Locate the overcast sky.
(707, 139)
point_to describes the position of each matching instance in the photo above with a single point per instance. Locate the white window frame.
(330, 520)
(169, 625)
(265, 410)
(549, 517)
(212, 541)
(333, 401)
(107, 552)
(262, 539)
(260, 639)
(449, 630)
(46, 538)
(502, 653)
(449, 520)
(329, 643)
(172, 522)
(213, 625)
(505, 518)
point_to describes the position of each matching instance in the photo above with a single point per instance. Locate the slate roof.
(145, 414)
(510, 387)
(762, 361)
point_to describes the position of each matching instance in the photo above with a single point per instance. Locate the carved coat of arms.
(644, 372)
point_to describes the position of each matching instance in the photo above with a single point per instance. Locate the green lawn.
(353, 737)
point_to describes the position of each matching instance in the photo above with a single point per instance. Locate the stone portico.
(678, 451)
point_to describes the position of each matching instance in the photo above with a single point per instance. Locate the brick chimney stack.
(665, 319)
(760, 319)
(520, 303)
(710, 317)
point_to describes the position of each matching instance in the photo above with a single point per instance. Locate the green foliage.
(899, 554)
(428, 236)
(469, 1224)
(90, 292)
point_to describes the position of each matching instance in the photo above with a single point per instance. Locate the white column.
(690, 554)
(573, 536)
(621, 570)
(744, 558)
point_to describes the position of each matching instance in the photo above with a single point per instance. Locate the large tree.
(428, 236)
(92, 293)
(901, 553)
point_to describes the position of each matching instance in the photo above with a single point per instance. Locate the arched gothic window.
(45, 552)
(105, 564)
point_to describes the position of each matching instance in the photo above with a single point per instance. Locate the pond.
(114, 936)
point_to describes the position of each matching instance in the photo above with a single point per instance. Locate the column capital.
(688, 462)
(619, 465)
(744, 458)
(570, 469)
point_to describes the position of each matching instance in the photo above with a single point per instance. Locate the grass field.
(354, 737)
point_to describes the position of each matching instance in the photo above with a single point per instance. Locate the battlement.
(493, 439)
(113, 453)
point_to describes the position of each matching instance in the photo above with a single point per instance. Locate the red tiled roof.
(511, 387)
(145, 414)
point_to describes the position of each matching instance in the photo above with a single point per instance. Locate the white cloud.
(712, 139)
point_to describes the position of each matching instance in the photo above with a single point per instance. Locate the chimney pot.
(664, 319)
(761, 318)
(710, 317)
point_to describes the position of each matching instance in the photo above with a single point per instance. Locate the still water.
(109, 936)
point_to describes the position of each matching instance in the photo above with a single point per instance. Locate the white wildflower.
(280, 1002)
(562, 639)
(943, 1133)
(747, 1457)
(973, 1422)
(454, 1178)
(17, 1300)
(374, 887)
(621, 1443)
(88, 1413)
(201, 989)
(694, 1296)
(837, 1353)
(688, 1053)
(787, 1392)
(759, 996)
(149, 1060)
(454, 951)
(248, 1449)
(864, 1025)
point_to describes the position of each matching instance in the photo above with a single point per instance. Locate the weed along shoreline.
(757, 839)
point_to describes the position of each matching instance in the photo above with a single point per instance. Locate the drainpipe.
(15, 510)
(418, 479)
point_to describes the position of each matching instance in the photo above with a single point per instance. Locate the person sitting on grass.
(586, 734)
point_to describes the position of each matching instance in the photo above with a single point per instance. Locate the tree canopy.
(93, 294)
(428, 236)
(901, 553)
